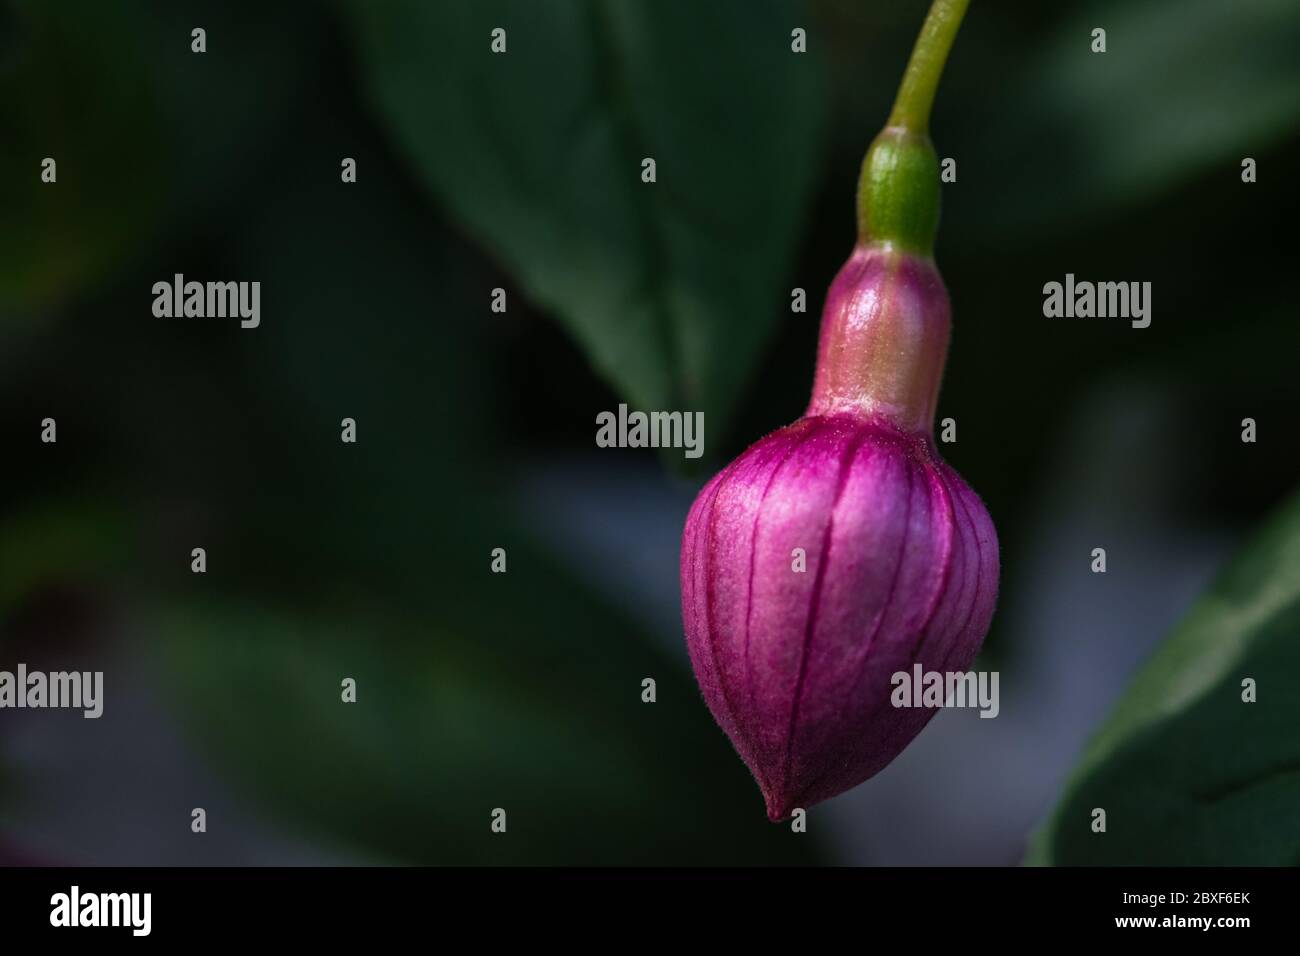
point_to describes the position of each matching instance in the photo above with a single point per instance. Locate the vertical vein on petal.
(898, 566)
(850, 698)
(959, 639)
(814, 429)
(841, 482)
(948, 557)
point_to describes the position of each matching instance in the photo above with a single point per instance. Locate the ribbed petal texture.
(901, 567)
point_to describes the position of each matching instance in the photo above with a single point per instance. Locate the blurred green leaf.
(671, 287)
(443, 731)
(1187, 772)
(1173, 94)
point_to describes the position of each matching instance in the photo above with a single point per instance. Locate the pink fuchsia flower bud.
(842, 549)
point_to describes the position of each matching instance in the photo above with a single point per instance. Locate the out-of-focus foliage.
(1187, 771)
(448, 727)
(671, 287)
(1184, 86)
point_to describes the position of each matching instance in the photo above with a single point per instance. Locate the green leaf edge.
(1213, 635)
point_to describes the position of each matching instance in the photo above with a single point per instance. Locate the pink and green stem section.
(885, 328)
